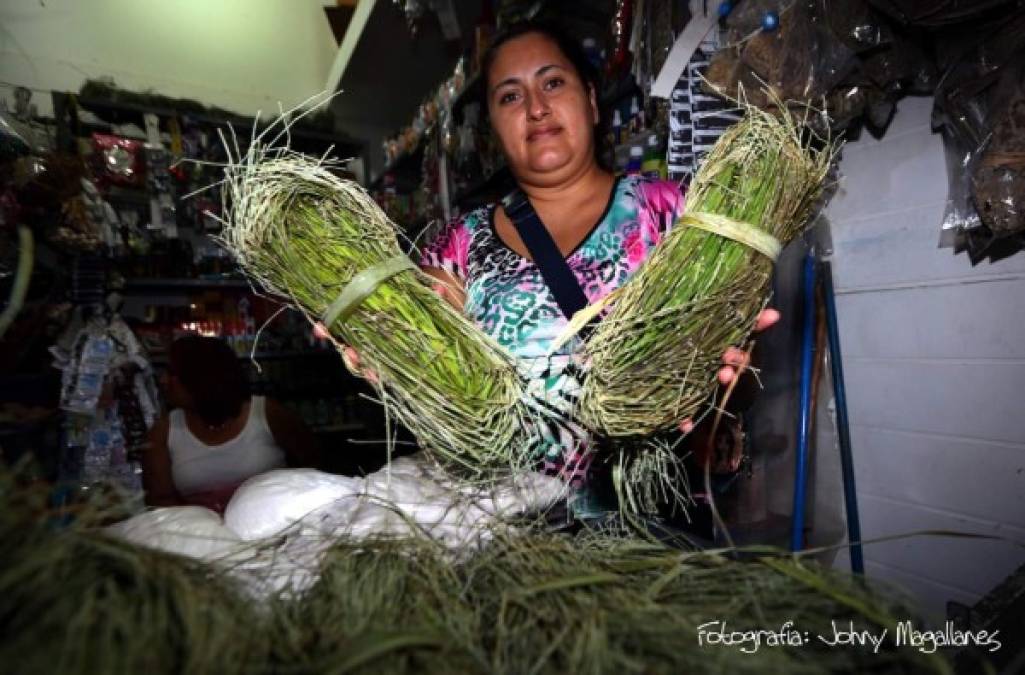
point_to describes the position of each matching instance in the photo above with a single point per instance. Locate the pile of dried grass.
(74, 601)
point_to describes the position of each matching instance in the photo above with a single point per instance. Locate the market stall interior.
(300, 371)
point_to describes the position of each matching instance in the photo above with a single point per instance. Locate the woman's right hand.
(349, 356)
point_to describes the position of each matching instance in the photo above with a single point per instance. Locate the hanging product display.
(852, 61)
(109, 393)
(697, 118)
(940, 12)
(843, 57)
(979, 107)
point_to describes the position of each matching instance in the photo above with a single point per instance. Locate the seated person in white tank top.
(216, 435)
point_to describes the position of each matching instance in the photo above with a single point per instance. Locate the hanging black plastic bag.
(980, 108)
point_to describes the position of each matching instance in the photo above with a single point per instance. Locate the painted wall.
(243, 55)
(935, 370)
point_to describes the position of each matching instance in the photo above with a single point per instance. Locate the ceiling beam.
(345, 51)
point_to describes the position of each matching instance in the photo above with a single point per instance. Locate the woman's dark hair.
(212, 375)
(571, 49)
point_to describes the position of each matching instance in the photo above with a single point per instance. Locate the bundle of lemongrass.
(323, 245)
(654, 357)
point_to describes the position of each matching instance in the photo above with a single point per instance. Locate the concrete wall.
(243, 55)
(935, 370)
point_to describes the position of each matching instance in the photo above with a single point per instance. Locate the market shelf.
(337, 428)
(471, 91)
(483, 188)
(121, 112)
(266, 356)
(172, 285)
(129, 195)
(406, 168)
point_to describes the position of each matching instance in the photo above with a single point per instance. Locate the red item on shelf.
(622, 25)
(118, 160)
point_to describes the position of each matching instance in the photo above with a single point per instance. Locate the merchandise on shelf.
(109, 395)
(118, 161)
(622, 27)
(696, 118)
(849, 59)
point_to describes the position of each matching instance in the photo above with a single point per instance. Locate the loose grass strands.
(74, 601)
(648, 474)
(302, 233)
(584, 604)
(654, 358)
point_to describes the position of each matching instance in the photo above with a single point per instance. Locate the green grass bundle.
(654, 357)
(303, 234)
(74, 601)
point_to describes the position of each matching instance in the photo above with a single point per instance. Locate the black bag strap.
(549, 260)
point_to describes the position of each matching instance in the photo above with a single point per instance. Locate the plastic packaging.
(846, 54)
(409, 492)
(119, 161)
(83, 380)
(191, 531)
(296, 514)
(267, 504)
(13, 142)
(980, 108)
(930, 13)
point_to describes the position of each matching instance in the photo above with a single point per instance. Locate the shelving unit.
(338, 428)
(302, 139)
(312, 382)
(406, 168)
(478, 193)
(267, 356)
(471, 90)
(142, 285)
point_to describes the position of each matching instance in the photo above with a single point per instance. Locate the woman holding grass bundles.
(541, 97)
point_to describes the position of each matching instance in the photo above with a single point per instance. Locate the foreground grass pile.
(74, 601)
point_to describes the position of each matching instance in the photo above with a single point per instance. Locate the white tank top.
(198, 467)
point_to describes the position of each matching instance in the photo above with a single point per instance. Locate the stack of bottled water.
(83, 377)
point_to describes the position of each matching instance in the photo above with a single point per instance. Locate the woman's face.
(541, 111)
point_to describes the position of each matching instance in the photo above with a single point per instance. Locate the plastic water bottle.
(86, 383)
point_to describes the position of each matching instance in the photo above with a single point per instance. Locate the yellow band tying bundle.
(746, 234)
(362, 286)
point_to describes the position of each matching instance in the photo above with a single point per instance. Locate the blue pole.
(843, 429)
(804, 421)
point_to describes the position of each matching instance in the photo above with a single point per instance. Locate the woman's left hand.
(734, 358)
